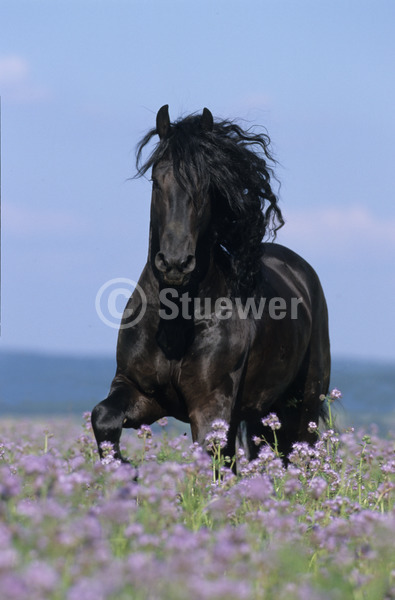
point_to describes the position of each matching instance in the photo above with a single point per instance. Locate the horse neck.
(175, 336)
(214, 284)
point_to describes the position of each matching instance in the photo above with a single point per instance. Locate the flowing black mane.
(231, 165)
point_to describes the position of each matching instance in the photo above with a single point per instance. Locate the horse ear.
(163, 121)
(207, 121)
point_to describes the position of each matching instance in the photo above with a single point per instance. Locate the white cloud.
(352, 229)
(253, 107)
(16, 82)
(28, 222)
(13, 70)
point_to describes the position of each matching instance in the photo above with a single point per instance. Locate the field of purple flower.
(74, 528)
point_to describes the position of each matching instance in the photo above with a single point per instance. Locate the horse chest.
(209, 361)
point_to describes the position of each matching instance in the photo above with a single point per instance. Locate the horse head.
(211, 196)
(180, 205)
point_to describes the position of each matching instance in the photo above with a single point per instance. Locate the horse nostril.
(188, 265)
(168, 265)
(160, 262)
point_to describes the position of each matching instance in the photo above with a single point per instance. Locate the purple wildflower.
(217, 438)
(87, 421)
(335, 394)
(271, 421)
(317, 487)
(41, 577)
(108, 454)
(144, 432)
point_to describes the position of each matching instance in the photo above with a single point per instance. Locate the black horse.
(233, 328)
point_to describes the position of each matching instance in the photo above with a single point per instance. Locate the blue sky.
(81, 81)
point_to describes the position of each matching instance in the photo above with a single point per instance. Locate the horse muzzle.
(175, 271)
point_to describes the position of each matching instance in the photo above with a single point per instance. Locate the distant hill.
(40, 384)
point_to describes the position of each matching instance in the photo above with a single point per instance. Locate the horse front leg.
(125, 407)
(202, 417)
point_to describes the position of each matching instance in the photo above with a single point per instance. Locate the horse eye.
(155, 183)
